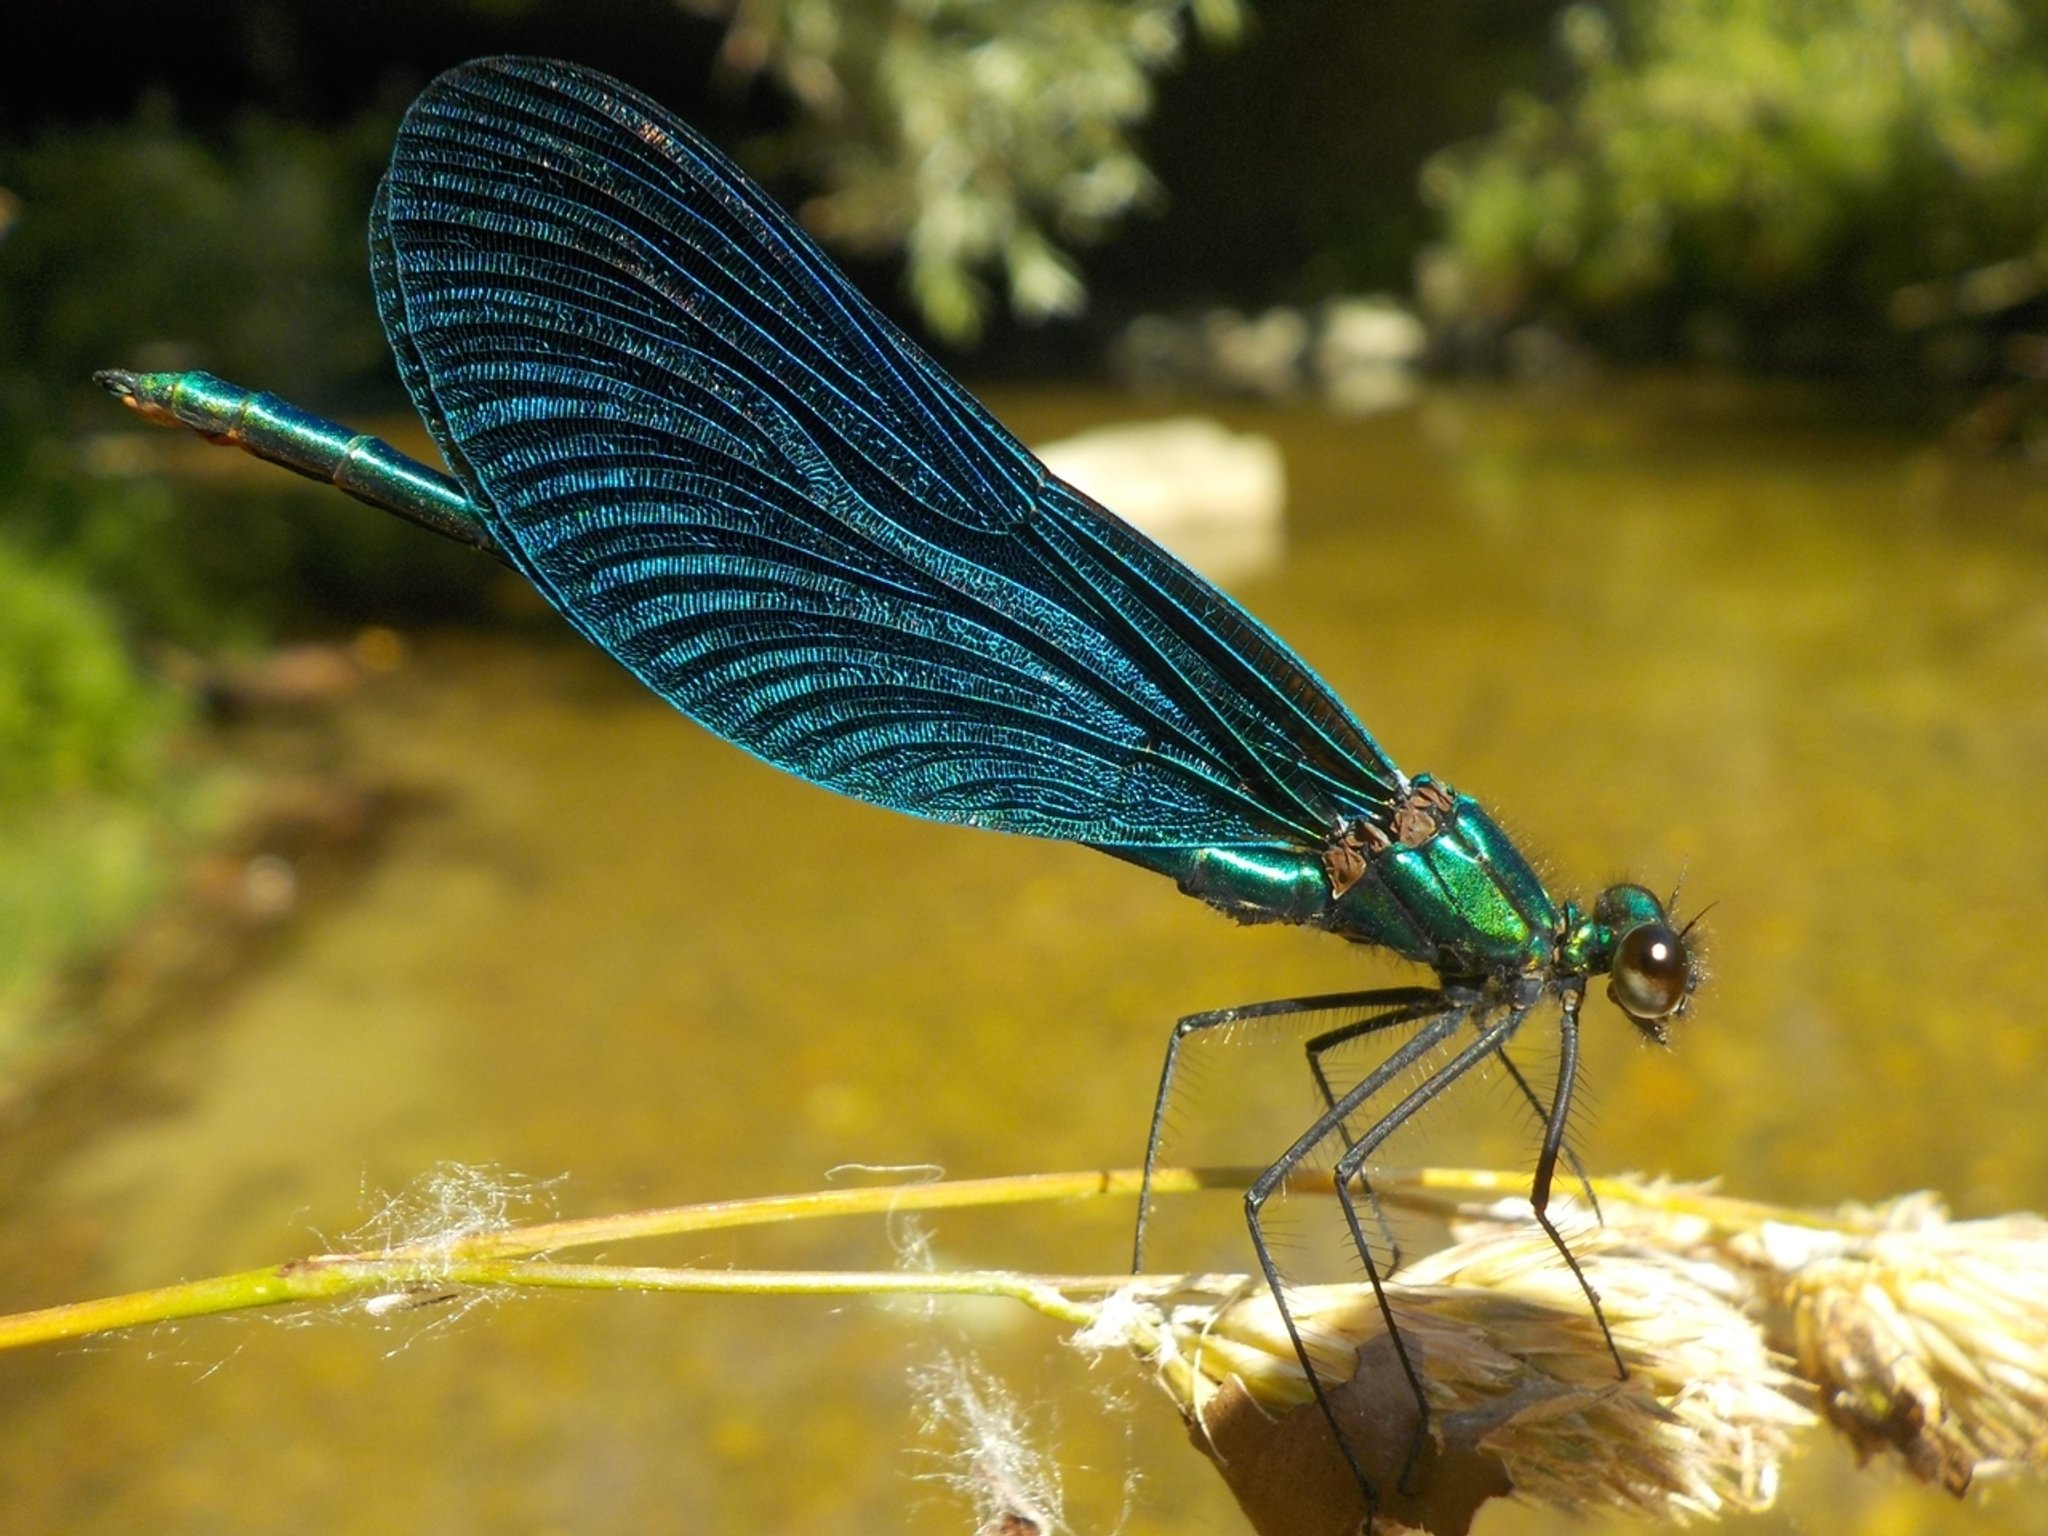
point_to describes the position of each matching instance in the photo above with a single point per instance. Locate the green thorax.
(1446, 888)
(1460, 898)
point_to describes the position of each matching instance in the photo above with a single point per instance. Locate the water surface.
(1739, 633)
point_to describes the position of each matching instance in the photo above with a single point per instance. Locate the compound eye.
(1652, 972)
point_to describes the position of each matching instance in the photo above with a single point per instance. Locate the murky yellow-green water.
(1734, 632)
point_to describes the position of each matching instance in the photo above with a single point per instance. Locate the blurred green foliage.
(969, 133)
(144, 242)
(85, 799)
(148, 245)
(75, 716)
(1819, 183)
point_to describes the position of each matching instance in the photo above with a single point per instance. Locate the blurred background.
(1657, 390)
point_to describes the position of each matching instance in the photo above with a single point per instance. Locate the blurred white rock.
(1373, 331)
(1257, 354)
(1361, 354)
(1215, 497)
(1366, 354)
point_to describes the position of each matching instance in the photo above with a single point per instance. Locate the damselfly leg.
(1433, 1032)
(1321, 1046)
(1386, 1008)
(1436, 1018)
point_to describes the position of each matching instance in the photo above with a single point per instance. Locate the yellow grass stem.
(488, 1259)
(1921, 1339)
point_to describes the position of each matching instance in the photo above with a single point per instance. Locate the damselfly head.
(1652, 973)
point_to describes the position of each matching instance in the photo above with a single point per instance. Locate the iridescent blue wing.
(728, 470)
